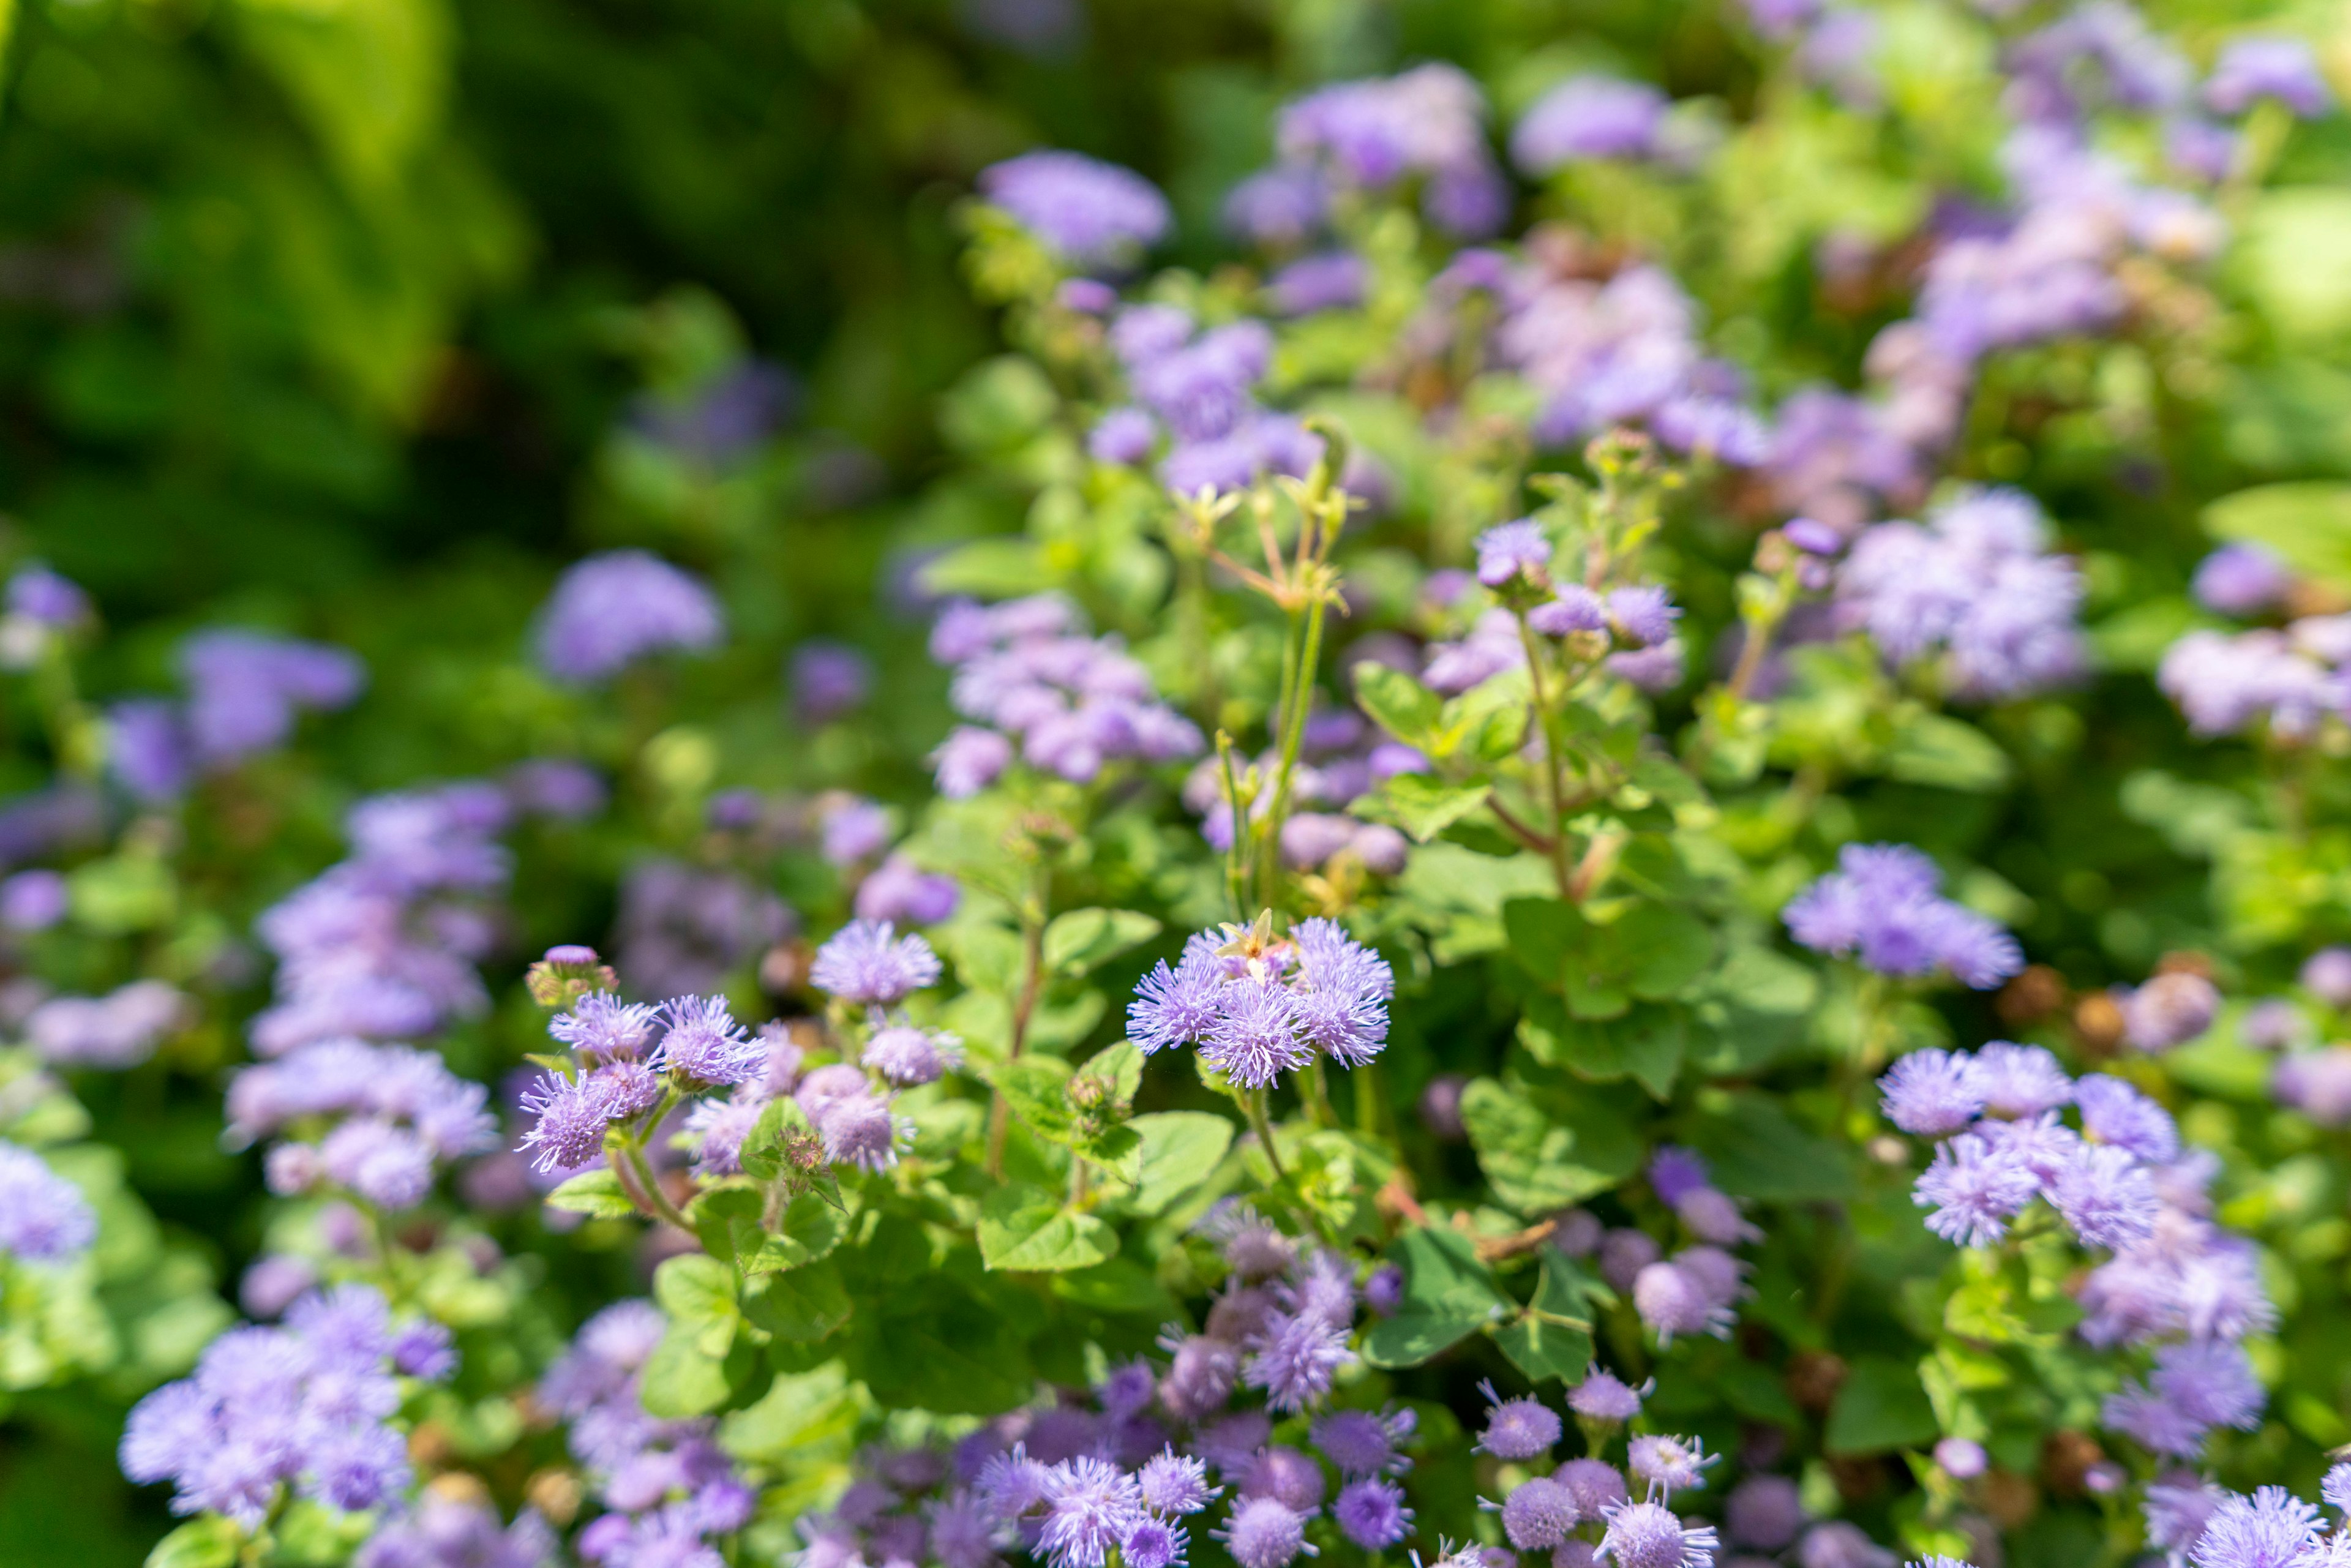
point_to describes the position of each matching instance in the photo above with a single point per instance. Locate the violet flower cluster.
(628, 1061)
(1883, 906)
(2121, 1185)
(376, 1121)
(2291, 679)
(1025, 673)
(1090, 213)
(1975, 585)
(117, 1031)
(1514, 565)
(2210, 1527)
(44, 1219)
(307, 1406)
(1258, 1006)
(611, 609)
(451, 1532)
(244, 691)
(683, 930)
(1340, 760)
(384, 944)
(1424, 128)
(669, 1491)
(1067, 1482)
(1697, 1290)
(1194, 389)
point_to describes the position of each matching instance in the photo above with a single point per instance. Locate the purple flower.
(1373, 132)
(827, 680)
(1572, 608)
(1283, 1473)
(2242, 579)
(1647, 1535)
(149, 750)
(2269, 1530)
(2115, 1112)
(1090, 1506)
(611, 610)
(1932, 1092)
(2105, 1195)
(866, 961)
(969, 760)
(2254, 68)
(705, 1045)
(1645, 614)
(1882, 906)
(569, 1132)
(41, 596)
(898, 890)
(44, 1219)
(2019, 1080)
(245, 687)
(1333, 280)
(1588, 117)
(1088, 211)
(1372, 1514)
(1766, 1513)
(858, 1130)
(1517, 1428)
(1281, 207)
(1669, 1464)
(1512, 550)
(1154, 1543)
(1974, 1190)
(910, 1057)
(444, 1532)
(1173, 1483)
(1359, 1443)
(1124, 436)
(1538, 1514)
(2315, 1082)
(1294, 1357)
(1673, 1299)
(2169, 1009)
(117, 1030)
(2326, 975)
(719, 1128)
(2178, 1508)
(1604, 1396)
(1262, 1533)
(602, 1028)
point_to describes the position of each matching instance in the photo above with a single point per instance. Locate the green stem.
(1554, 773)
(1024, 1008)
(654, 1195)
(1367, 1099)
(1300, 697)
(1318, 1099)
(1253, 1103)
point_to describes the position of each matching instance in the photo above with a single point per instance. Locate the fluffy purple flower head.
(569, 1132)
(2271, 1529)
(2020, 1080)
(827, 680)
(2177, 1509)
(858, 1130)
(1538, 1514)
(1281, 206)
(705, 1045)
(1151, 1542)
(853, 830)
(1262, 1533)
(116, 1031)
(149, 750)
(719, 1128)
(44, 1219)
(1882, 904)
(1932, 1092)
(1648, 1535)
(1090, 1506)
(1676, 1172)
(2326, 975)
(866, 961)
(2105, 1195)
(1766, 1513)
(1669, 1464)
(1359, 1443)
(1295, 1357)
(1333, 280)
(1282, 1472)
(2242, 579)
(1088, 211)
(2115, 1112)
(910, 1057)
(1588, 117)
(1124, 436)
(1974, 1190)
(2251, 70)
(611, 610)
(245, 687)
(2169, 1009)
(40, 595)
(1604, 1396)
(1573, 608)
(1513, 549)
(1644, 613)
(899, 891)
(1371, 1512)
(1174, 1483)
(1517, 1428)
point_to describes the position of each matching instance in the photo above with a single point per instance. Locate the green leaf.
(1758, 1151)
(1025, 1228)
(2306, 522)
(1397, 704)
(2294, 256)
(1544, 1151)
(798, 1412)
(780, 1122)
(1420, 804)
(697, 1294)
(1119, 1067)
(1448, 1295)
(812, 1228)
(1881, 1405)
(682, 1378)
(595, 1192)
(1121, 1285)
(1647, 1044)
(1181, 1149)
(1661, 950)
(208, 1541)
(1541, 1349)
(1936, 750)
(802, 1306)
(945, 1350)
(1083, 939)
(1037, 1089)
